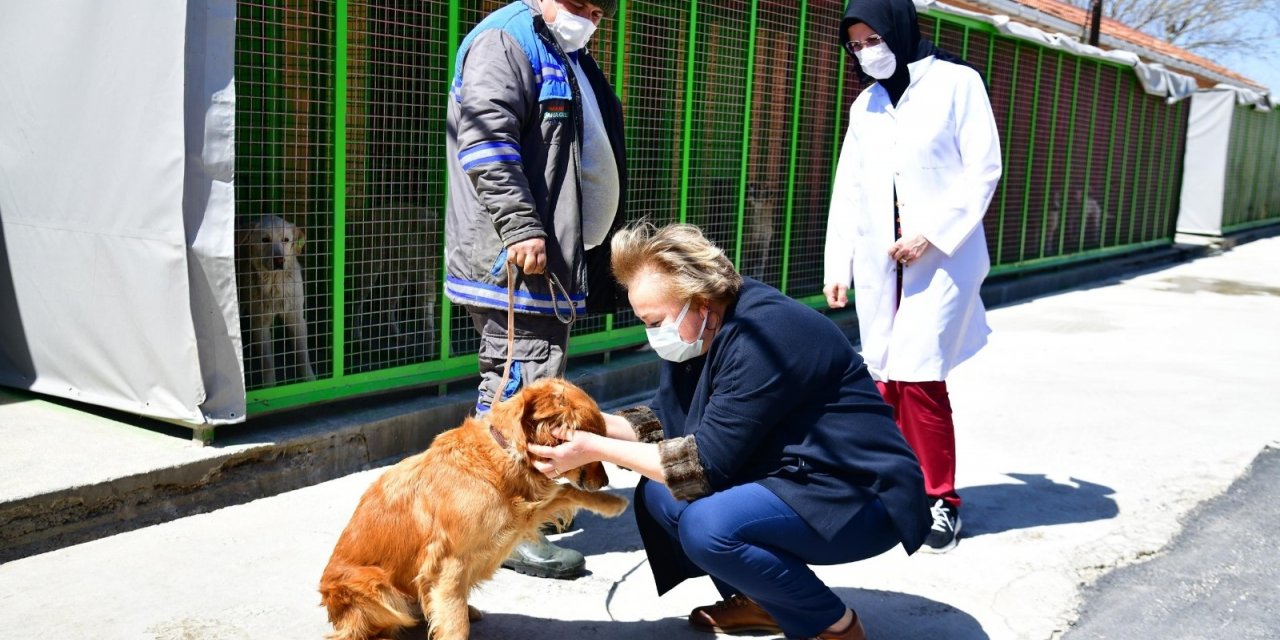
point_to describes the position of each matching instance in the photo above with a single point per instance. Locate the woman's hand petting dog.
(575, 449)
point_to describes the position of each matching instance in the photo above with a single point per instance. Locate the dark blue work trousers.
(751, 543)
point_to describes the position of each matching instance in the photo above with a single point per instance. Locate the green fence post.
(795, 145)
(1008, 142)
(1031, 154)
(1270, 140)
(1124, 163)
(339, 188)
(746, 133)
(1111, 155)
(1065, 198)
(687, 143)
(1160, 144)
(1259, 175)
(446, 307)
(1053, 147)
(620, 50)
(1088, 164)
(991, 52)
(1159, 162)
(1173, 152)
(619, 78)
(841, 71)
(1137, 172)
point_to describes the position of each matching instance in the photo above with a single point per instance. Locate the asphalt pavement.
(1099, 434)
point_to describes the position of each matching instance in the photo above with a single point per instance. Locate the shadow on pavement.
(1033, 502)
(886, 615)
(890, 615)
(507, 625)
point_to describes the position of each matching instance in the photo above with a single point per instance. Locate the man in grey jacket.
(537, 184)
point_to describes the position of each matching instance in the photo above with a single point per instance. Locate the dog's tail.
(362, 603)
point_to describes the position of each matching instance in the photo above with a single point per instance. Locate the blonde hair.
(695, 268)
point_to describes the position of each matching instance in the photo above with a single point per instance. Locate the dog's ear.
(539, 413)
(559, 403)
(299, 239)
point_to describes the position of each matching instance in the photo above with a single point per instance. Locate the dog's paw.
(609, 505)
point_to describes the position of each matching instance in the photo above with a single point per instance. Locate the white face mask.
(572, 31)
(878, 61)
(666, 341)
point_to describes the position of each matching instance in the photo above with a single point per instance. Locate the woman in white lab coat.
(922, 138)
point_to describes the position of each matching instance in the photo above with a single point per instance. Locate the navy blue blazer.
(782, 399)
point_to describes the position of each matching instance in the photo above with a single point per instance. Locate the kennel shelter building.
(140, 141)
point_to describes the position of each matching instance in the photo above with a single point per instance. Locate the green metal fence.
(1252, 181)
(734, 114)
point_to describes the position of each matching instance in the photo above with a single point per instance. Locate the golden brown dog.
(440, 522)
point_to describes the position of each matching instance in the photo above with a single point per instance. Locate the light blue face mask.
(666, 341)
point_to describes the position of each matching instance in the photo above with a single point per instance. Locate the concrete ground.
(1090, 430)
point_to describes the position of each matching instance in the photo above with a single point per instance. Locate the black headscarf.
(897, 23)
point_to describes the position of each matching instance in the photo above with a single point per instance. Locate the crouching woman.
(766, 449)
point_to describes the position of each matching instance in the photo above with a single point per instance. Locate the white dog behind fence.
(271, 287)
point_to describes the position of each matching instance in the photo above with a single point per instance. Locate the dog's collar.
(498, 437)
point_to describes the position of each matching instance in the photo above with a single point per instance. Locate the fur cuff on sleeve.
(682, 468)
(645, 423)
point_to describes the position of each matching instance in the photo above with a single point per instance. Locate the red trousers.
(923, 412)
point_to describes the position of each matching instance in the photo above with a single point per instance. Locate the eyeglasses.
(854, 46)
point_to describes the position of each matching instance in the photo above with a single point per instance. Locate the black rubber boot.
(542, 559)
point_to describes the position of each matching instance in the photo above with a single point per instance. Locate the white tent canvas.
(116, 206)
(1205, 167)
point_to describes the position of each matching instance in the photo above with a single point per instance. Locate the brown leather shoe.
(853, 632)
(735, 615)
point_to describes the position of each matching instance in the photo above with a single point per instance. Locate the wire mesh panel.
(397, 67)
(1070, 177)
(741, 140)
(770, 140)
(928, 25)
(815, 136)
(1044, 116)
(653, 89)
(1126, 146)
(463, 337)
(977, 51)
(1174, 160)
(1001, 79)
(1269, 182)
(284, 197)
(1055, 111)
(1251, 174)
(1117, 98)
(1096, 109)
(1253, 164)
(951, 38)
(1018, 173)
(1152, 174)
(717, 105)
(1233, 203)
